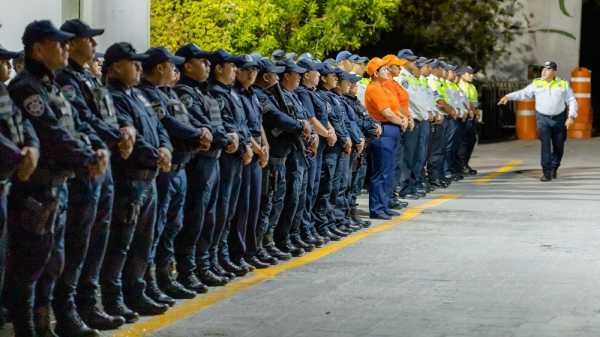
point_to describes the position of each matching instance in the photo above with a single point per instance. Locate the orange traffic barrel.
(525, 124)
(581, 83)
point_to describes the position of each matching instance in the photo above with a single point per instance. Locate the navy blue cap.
(277, 54)
(266, 66)
(43, 30)
(344, 75)
(327, 68)
(192, 51)
(343, 55)
(7, 54)
(305, 56)
(122, 51)
(160, 55)
(421, 61)
(435, 63)
(358, 59)
(355, 78)
(550, 65)
(291, 66)
(249, 62)
(309, 64)
(449, 66)
(256, 56)
(464, 70)
(80, 28)
(221, 56)
(407, 54)
(290, 56)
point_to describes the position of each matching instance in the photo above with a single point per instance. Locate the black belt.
(554, 117)
(140, 174)
(390, 124)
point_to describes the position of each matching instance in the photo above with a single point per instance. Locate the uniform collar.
(118, 85)
(76, 66)
(39, 69)
(185, 80)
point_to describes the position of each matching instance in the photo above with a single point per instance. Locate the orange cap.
(374, 65)
(393, 59)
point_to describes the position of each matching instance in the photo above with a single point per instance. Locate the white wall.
(123, 20)
(16, 14)
(537, 47)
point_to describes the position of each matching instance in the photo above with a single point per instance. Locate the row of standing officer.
(213, 163)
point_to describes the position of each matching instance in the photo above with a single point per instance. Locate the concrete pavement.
(510, 256)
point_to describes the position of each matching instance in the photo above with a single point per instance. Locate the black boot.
(191, 282)
(153, 291)
(231, 267)
(41, 320)
(257, 263)
(98, 319)
(69, 324)
(22, 322)
(290, 248)
(171, 287)
(116, 307)
(266, 258)
(144, 305)
(244, 264)
(218, 269)
(276, 253)
(298, 242)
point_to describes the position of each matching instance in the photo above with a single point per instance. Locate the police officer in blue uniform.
(316, 107)
(193, 243)
(19, 149)
(296, 163)
(132, 227)
(90, 200)
(330, 183)
(36, 252)
(187, 139)
(223, 72)
(243, 240)
(283, 133)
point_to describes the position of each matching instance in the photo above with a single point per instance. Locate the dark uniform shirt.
(205, 111)
(337, 115)
(252, 109)
(232, 112)
(365, 122)
(92, 101)
(134, 109)
(176, 121)
(15, 133)
(314, 104)
(351, 121)
(62, 148)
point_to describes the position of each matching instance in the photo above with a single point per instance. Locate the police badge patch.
(34, 105)
(69, 92)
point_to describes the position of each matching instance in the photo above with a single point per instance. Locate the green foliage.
(316, 26)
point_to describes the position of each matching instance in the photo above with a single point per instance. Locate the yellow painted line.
(502, 170)
(189, 307)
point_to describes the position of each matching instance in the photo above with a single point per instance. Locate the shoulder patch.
(187, 100)
(69, 92)
(34, 105)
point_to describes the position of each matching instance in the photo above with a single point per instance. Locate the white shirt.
(551, 98)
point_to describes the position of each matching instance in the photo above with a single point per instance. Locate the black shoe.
(191, 282)
(380, 216)
(257, 263)
(554, 173)
(392, 212)
(319, 237)
(412, 196)
(338, 232)
(471, 171)
(326, 233)
(266, 258)
(98, 319)
(356, 226)
(396, 203)
(211, 279)
(177, 291)
(278, 254)
(231, 267)
(421, 194)
(437, 183)
(153, 291)
(298, 242)
(289, 248)
(219, 271)
(145, 306)
(119, 308)
(546, 178)
(69, 324)
(41, 320)
(244, 264)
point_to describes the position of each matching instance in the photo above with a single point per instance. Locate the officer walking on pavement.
(552, 96)
(36, 253)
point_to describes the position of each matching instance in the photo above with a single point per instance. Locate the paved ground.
(510, 257)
